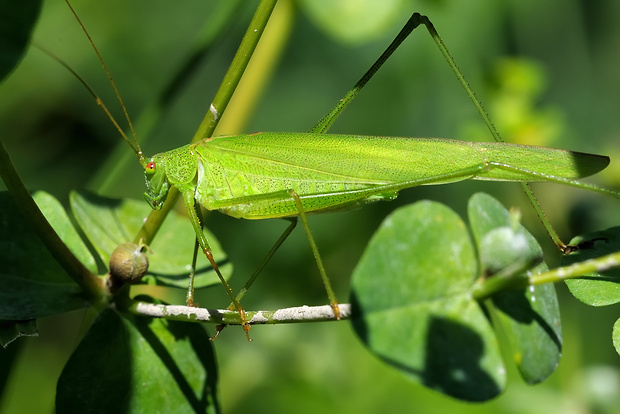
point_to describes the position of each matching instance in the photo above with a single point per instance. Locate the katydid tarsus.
(289, 175)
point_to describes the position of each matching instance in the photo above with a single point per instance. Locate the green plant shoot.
(289, 175)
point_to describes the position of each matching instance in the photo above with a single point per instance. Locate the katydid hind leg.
(416, 20)
(188, 198)
(491, 127)
(326, 122)
(564, 248)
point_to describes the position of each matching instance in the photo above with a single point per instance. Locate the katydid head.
(157, 184)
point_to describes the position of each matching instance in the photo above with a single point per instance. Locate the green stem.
(235, 71)
(600, 264)
(492, 285)
(220, 102)
(93, 286)
(154, 221)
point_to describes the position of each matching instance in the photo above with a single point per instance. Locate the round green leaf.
(531, 320)
(413, 308)
(136, 364)
(56, 215)
(109, 223)
(530, 317)
(32, 283)
(355, 21)
(501, 240)
(17, 19)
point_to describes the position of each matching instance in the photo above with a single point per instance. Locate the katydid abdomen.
(250, 176)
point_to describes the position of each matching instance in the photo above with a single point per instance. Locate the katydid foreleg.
(189, 199)
(189, 299)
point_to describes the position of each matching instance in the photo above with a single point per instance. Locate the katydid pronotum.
(290, 175)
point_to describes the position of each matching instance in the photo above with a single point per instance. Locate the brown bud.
(128, 263)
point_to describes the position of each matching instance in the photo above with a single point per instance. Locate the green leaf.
(17, 20)
(356, 21)
(502, 242)
(530, 317)
(595, 289)
(110, 222)
(129, 364)
(413, 308)
(32, 283)
(11, 330)
(60, 221)
(22, 299)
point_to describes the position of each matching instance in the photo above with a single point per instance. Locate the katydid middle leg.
(275, 247)
(292, 195)
(266, 259)
(259, 269)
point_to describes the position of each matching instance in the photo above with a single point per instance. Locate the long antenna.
(135, 145)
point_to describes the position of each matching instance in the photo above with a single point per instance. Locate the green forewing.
(369, 159)
(333, 171)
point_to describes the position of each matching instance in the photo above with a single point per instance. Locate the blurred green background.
(545, 71)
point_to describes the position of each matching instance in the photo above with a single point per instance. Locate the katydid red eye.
(150, 168)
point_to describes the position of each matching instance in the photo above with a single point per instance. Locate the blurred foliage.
(58, 138)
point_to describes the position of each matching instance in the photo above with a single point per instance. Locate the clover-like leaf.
(530, 316)
(413, 308)
(146, 365)
(109, 223)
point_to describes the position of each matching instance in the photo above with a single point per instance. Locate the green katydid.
(289, 175)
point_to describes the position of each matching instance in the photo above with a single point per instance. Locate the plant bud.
(128, 263)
